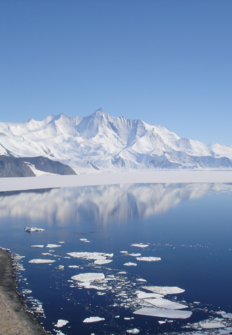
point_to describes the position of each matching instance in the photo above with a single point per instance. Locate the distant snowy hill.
(100, 142)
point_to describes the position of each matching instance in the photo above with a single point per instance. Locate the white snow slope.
(105, 143)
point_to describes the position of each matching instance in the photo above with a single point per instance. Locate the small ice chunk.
(61, 242)
(127, 318)
(133, 331)
(124, 252)
(164, 313)
(141, 279)
(161, 322)
(33, 229)
(164, 290)
(134, 255)
(139, 245)
(41, 261)
(93, 319)
(53, 246)
(47, 254)
(37, 246)
(83, 239)
(130, 264)
(26, 291)
(88, 277)
(122, 273)
(165, 303)
(148, 259)
(60, 267)
(61, 323)
(117, 316)
(74, 266)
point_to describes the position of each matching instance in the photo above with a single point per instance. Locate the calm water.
(189, 226)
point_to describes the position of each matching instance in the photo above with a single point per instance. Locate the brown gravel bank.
(14, 318)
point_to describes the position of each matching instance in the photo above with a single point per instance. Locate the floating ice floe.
(139, 245)
(61, 323)
(122, 273)
(60, 267)
(33, 229)
(164, 303)
(84, 240)
(99, 257)
(58, 332)
(124, 252)
(47, 254)
(145, 295)
(102, 261)
(141, 279)
(53, 246)
(130, 264)
(26, 291)
(61, 242)
(148, 259)
(74, 266)
(37, 246)
(161, 322)
(41, 261)
(211, 325)
(133, 331)
(134, 255)
(163, 313)
(93, 319)
(164, 290)
(89, 277)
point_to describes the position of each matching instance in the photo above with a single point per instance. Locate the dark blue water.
(189, 226)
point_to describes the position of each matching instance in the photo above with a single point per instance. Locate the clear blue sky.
(166, 62)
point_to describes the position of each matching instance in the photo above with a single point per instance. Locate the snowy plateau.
(101, 143)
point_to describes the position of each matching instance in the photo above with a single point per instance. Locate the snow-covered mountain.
(100, 142)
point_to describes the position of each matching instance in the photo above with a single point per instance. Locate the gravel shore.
(14, 318)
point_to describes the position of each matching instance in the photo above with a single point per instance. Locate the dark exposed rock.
(14, 167)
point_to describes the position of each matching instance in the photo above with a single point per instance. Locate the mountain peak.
(100, 111)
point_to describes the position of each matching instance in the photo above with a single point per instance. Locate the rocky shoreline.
(14, 316)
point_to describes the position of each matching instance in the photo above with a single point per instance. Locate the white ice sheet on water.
(37, 246)
(93, 319)
(41, 261)
(33, 229)
(88, 277)
(53, 246)
(130, 264)
(145, 295)
(211, 325)
(61, 323)
(163, 313)
(90, 255)
(164, 289)
(102, 261)
(139, 245)
(148, 259)
(165, 303)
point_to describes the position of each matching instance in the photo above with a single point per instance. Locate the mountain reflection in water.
(101, 204)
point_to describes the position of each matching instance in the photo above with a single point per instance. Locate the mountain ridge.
(109, 143)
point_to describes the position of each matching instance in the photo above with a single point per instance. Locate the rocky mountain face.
(100, 142)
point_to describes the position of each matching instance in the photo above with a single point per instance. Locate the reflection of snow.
(97, 203)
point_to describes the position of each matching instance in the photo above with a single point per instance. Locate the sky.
(166, 62)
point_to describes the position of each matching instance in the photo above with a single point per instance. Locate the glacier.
(102, 143)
